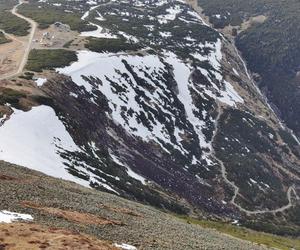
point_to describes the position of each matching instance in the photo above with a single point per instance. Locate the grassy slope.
(13, 25)
(129, 222)
(47, 15)
(7, 4)
(10, 23)
(246, 234)
(110, 45)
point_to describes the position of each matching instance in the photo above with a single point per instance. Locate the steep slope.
(70, 216)
(158, 107)
(268, 35)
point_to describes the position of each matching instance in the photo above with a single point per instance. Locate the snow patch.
(40, 81)
(98, 33)
(173, 11)
(34, 139)
(235, 72)
(182, 73)
(10, 217)
(131, 173)
(125, 246)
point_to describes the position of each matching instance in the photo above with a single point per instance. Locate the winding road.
(237, 189)
(27, 44)
(250, 212)
(198, 9)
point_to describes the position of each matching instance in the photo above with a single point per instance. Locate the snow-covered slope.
(35, 139)
(161, 110)
(122, 92)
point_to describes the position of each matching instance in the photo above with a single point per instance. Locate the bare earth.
(10, 55)
(19, 55)
(21, 236)
(57, 38)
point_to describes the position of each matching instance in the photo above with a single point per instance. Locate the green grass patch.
(261, 238)
(110, 45)
(49, 59)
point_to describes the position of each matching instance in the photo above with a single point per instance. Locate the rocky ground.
(76, 216)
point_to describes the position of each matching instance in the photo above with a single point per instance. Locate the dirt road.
(237, 189)
(26, 44)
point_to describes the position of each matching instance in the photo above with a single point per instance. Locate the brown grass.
(121, 210)
(22, 236)
(7, 178)
(73, 216)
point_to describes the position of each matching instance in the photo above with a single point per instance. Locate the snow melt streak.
(114, 70)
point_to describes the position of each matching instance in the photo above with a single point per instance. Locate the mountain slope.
(268, 36)
(63, 208)
(158, 107)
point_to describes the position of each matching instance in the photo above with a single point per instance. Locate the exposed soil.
(21, 236)
(52, 38)
(121, 210)
(10, 55)
(17, 58)
(78, 217)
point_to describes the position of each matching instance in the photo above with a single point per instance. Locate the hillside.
(146, 101)
(268, 35)
(81, 218)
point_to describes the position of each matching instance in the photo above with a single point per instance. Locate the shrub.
(49, 59)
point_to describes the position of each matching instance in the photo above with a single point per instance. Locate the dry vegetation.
(23, 236)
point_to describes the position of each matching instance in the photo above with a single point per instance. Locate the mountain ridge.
(176, 123)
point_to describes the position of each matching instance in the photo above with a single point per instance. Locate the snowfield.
(121, 71)
(153, 96)
(112, 67)
(34, 139)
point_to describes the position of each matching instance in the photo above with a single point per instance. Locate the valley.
(150, 102)
(103, 220)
